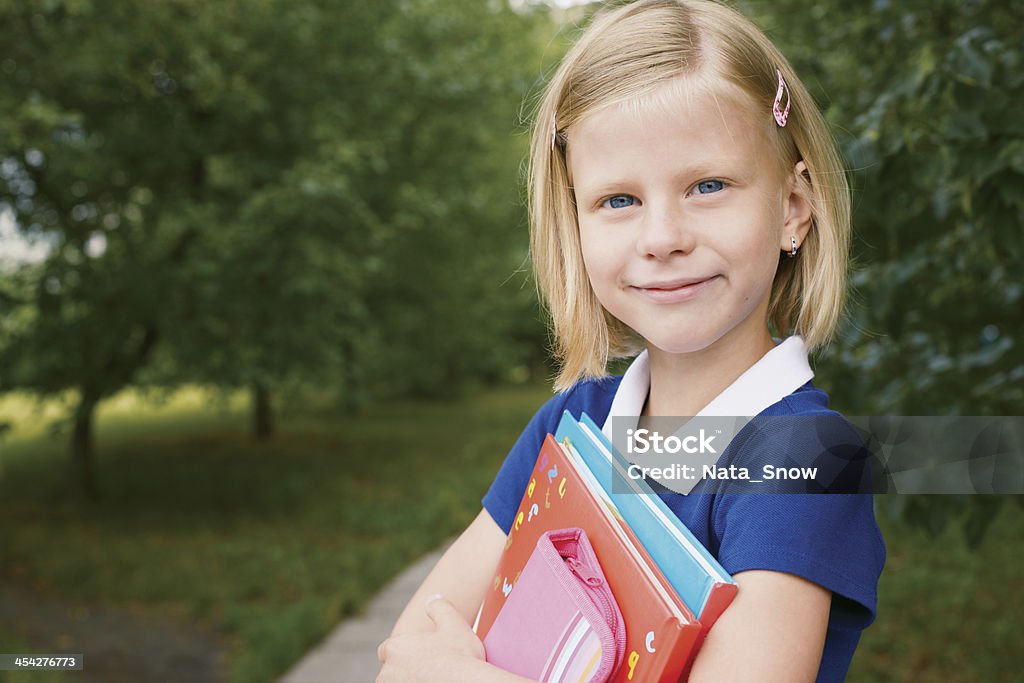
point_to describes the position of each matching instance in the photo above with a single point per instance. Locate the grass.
(947, 613)
(272, 544)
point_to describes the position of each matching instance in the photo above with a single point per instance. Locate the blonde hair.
(623, 55)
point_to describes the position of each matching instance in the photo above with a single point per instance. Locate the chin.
(678, 344)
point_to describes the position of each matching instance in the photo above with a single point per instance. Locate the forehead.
(683, 122)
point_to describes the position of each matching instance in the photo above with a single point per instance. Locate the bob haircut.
(623, 55)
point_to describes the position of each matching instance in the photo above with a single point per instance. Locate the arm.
(773, 631)
(462, 575)
(450, 653)
(433, 639)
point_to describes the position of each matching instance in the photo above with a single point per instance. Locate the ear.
(796, 208)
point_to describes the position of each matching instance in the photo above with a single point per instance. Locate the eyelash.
(724, 184)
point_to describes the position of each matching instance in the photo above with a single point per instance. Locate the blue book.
(698, 578)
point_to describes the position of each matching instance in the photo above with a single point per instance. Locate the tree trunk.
(82, 446)
(262, 418)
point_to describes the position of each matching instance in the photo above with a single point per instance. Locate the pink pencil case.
(560, 622)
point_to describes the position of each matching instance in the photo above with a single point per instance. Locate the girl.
(685, 197)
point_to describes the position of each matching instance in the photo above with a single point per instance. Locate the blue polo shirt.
(831, 540)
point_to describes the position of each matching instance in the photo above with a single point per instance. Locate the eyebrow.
(687, 174)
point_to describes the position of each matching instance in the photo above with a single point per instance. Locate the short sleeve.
(503, 498)
(831, 539)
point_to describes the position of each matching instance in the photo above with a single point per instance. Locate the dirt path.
(118, 647)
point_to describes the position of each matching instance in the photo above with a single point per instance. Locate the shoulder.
(800, 430)
(807, 399)
(592, 396)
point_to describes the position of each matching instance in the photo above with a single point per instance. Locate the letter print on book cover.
(561, 621)
(661, 634)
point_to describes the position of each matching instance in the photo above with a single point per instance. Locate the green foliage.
(139, 130)
(946, 610)
(925, 116)
(448, 289)
(265, 193)
(924, 98)
(277, 193)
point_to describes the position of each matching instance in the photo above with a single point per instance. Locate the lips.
(673, 284)
(674, 291)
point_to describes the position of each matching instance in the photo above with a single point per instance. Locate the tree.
(257, 194)
(136, 136)
(449, 298)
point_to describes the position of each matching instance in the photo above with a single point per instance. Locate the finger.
(444, 615)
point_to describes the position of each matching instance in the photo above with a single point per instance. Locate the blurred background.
(267, 328)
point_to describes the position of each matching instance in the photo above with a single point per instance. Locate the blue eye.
(710, 186)
(619, 201)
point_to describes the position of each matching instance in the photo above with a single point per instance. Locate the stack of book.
(669, 588)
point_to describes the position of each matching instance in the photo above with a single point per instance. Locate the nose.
(664, 232)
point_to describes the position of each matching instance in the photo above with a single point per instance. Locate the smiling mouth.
(673, 292)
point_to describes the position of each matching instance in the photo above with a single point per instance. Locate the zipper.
(589, 577)
(594, 581)
(571, 548)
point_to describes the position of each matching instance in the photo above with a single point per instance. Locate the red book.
(662, 635)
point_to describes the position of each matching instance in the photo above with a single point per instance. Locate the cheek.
(598, 255)
(763, 220)
(764, 264)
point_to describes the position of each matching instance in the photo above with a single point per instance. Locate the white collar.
(776, 375)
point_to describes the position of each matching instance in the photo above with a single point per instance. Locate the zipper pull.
(589, 577)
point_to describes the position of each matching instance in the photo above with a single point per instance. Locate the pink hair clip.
(781, 115)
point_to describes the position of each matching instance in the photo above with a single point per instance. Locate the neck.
(684, 383)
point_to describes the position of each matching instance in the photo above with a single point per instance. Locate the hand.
(432, 656)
